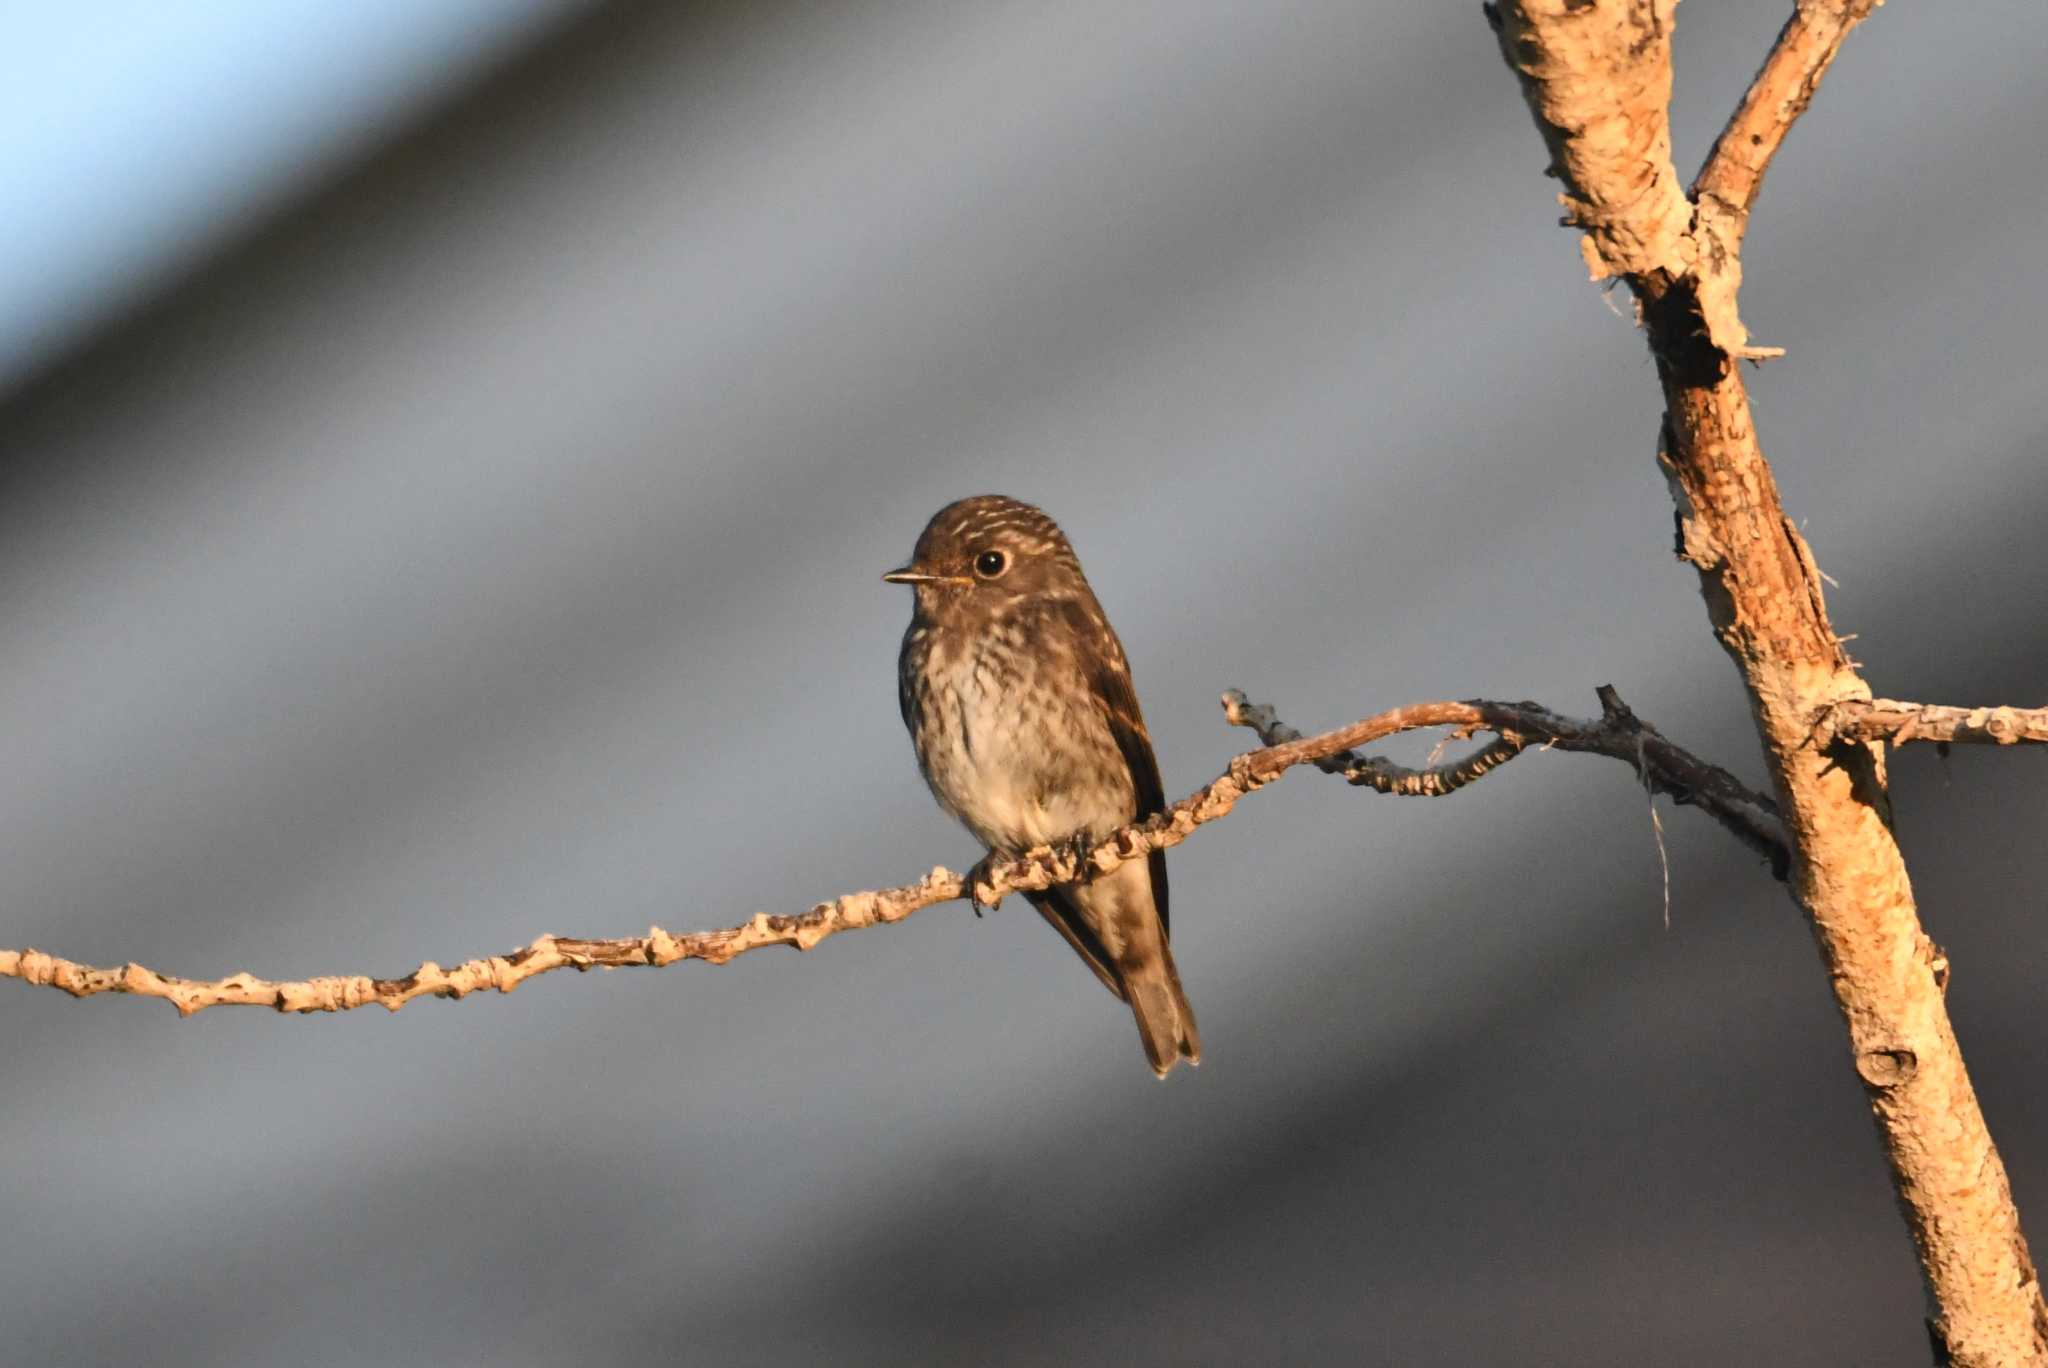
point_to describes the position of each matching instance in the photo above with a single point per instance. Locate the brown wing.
(1056, 905)
(1110, 681)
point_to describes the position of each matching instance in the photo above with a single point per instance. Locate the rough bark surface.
(1885, 719)
(1764, 597)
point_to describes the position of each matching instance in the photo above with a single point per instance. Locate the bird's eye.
(991, 564)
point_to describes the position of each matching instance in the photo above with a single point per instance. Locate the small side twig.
(1784, 86)
(1375, 771)
(1663, 766)
(1888, 720)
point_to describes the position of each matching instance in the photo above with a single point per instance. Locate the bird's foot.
(981, 892)
(1075, 849)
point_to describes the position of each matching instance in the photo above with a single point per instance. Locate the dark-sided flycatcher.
(1019, 702)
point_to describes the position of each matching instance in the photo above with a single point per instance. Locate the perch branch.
(1618, 733)
(1885, 719)
(1597, 75)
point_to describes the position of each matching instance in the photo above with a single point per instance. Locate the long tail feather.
(1166, 1024)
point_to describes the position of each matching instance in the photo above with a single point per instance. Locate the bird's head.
(990, 553)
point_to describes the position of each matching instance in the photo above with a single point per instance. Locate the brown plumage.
(1019, 702)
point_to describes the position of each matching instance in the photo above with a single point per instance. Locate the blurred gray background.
(446, 455)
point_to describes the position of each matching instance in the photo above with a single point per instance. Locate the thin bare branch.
(987, 882)
(1727, 186)
(1896, 723)
(1373, 771)
(1734, 170)
(1618, 733)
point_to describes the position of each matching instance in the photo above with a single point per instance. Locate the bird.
(1027, 728)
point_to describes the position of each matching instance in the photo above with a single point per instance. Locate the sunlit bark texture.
(1597, 75)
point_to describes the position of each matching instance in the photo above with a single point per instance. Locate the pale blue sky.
(133, 132)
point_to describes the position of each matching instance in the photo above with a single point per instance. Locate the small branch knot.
(1887, 1068)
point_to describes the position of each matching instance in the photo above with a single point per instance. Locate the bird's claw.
(981, 894)
(1071, 853)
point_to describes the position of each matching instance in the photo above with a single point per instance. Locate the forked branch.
(1597, 75)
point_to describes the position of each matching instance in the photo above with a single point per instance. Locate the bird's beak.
(910, 574)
